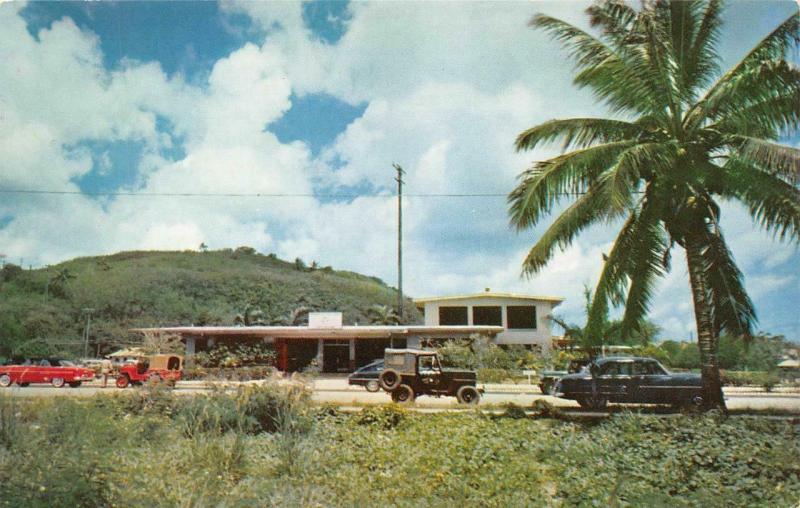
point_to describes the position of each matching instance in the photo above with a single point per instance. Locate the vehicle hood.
(576, 375)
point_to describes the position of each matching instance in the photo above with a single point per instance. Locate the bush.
(384, 417)
(766, 380)
(493, 375)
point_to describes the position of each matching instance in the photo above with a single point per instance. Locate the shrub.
(514, 411)
(384, 417)
(493, 375)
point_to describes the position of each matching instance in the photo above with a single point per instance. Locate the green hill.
(42, 311)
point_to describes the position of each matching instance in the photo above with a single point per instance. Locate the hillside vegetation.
(42, 311)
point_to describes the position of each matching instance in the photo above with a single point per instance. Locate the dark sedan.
(629, 380)
(367, 376)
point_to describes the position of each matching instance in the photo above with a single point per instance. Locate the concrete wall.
(541, 336)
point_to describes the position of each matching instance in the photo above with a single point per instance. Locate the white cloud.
(448, 86)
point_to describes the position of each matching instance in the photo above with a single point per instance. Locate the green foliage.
(382, 417)
(105, 452)
(481, 354)
(239, 355)
(143, 289)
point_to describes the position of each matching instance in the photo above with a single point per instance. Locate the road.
(337, 392)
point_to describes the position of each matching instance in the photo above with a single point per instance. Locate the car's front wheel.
(372, 386)
(594, 402)
(123, 381)
(468, 395)
(57, 382)
(403, 395)
(5, 380)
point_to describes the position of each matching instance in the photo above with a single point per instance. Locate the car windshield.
(65, 363)
(372, 367)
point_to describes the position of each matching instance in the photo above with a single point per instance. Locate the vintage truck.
(409, 373)
(156, 368)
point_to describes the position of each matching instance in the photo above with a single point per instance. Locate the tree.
(684, 139)
(382, 315)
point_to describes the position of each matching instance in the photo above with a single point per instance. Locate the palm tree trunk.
(707, 339)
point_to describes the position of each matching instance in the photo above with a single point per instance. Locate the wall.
(541, 336)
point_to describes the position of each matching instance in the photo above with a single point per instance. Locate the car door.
(655, 384)
(430, 372)
(615, 381)
(646, 383)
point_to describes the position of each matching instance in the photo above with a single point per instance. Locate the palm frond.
(774, 113)
(610, 74)
(772, 48)
(703, 60)
(542, 186)
(732, 310)
(776, 159)
(578, 132)
(773, 203)
(646, 267)
(592, 207)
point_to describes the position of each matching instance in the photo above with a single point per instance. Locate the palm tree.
(382, 315)
(685, 138)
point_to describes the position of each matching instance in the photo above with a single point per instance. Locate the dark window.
(489, 316)
(452, 316)
(522, 316)
(617, 369)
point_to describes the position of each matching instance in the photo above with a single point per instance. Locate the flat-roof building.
(523, 318)
(336, 348)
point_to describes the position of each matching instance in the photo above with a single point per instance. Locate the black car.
(629, 380)
(367, 376)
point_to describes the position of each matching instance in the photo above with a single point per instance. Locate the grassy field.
(269, 447)
(41, 311)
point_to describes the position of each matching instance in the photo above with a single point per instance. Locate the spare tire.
(468, 395)
(390, 379)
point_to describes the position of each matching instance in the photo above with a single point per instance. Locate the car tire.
(75, 384)
(697, 401)
(5, 380)
(403, 395)
(23, 385)
(593, 402)
(123, 381)
(57, 382)
(390, 380)
(372, 386)
(468, 395)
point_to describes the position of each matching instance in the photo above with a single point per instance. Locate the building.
(335, 347)
(523, 318)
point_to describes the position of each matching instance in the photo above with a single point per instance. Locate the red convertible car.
(48, 370)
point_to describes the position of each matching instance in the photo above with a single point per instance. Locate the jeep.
(409, 373)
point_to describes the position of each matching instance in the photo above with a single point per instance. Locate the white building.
(524, 318)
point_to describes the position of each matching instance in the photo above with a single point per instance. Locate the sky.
(121, 106)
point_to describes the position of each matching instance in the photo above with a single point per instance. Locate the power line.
(266, 195)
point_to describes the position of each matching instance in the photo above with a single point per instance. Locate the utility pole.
(86, 332)
(399, 179)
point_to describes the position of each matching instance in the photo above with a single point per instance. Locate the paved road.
(338, 393)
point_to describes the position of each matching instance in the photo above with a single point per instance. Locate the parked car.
(166, 368)
(367, 376)
(548, 378)
(54, 371)
(408, 373)
(629, 380)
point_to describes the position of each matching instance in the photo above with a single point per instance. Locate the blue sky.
(316, 98)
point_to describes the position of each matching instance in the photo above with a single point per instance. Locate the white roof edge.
(513, 296)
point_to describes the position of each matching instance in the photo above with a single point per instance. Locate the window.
(488, 316)
(522, 317)
(617, 369)
(452, 316)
